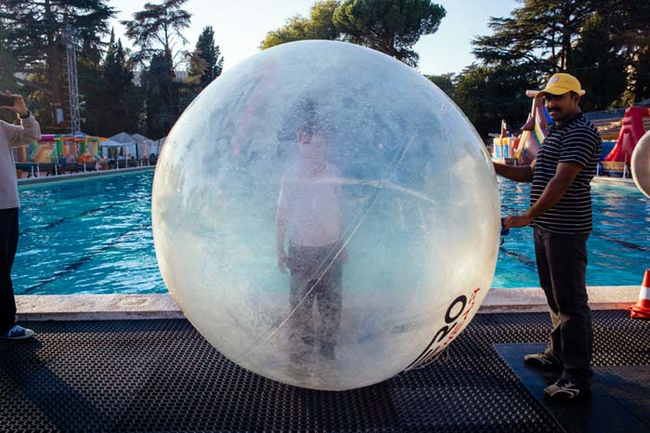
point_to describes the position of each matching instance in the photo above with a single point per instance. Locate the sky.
(240, 26)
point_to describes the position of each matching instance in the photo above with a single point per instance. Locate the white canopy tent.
(123, 140)
(111, 143)
(108, 144)
(135, 145)
(146, 146)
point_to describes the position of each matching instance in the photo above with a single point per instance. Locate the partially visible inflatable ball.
(640, 164)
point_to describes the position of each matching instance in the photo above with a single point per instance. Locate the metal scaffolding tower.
(71, 45)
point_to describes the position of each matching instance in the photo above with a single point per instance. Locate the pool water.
(619, 245)
(94, 235)
(90, 235)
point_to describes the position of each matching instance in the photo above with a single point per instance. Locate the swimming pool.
(619, 245)
(94, 235)
(89, 235)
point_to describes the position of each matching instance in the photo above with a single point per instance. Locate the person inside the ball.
(309, 216)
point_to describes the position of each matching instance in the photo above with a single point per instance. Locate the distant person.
(309, 216)
(71, 159)
(11, 136)
(102, 163)
(561, 217)
(93, 162)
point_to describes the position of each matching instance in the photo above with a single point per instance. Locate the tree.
(89, 81)
(112, 102)
(7, 67)
(603, 42)
(160, 114)
(389, 26)
(487, 94)
(596, 60)
(444, 82)
(156, 30)
(629, 30)
(33, 34)
(541, 32)
(206, 62)
(319, 25)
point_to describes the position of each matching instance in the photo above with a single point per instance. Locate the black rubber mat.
(162, 375)
(619, 402)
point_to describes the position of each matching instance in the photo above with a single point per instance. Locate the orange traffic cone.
(642, 308)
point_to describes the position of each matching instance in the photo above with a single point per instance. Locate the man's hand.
(282, 261)
(516, 221)
(19, 106)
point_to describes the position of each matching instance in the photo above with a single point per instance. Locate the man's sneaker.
(17, 333)
(543, 360)
(565, 390)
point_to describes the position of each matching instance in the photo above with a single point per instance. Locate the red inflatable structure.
(631, 132)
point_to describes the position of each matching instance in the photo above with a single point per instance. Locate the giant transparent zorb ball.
(325, 216)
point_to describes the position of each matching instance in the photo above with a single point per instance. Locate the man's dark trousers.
(8, 245)
(562, 266)
(315, 276)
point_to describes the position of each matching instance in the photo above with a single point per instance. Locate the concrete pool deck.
(613, 180)
(162, 306)
(73, 176)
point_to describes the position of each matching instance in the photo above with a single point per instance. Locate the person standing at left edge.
(561, 216)
(11, 136)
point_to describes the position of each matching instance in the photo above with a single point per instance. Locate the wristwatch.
(29, 113)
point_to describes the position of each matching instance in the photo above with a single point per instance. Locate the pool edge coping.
(163, 306)
(28, 181)
(613, 180)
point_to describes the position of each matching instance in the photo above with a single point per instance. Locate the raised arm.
(518, 173)
(29, 130)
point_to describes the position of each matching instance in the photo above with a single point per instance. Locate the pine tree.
(156, 30)
(390, 26)
(112, 105)
(582, 37)
(206, 62)
(319, 25)
(598, 63)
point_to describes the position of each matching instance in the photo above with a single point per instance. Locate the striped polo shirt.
(576, 141)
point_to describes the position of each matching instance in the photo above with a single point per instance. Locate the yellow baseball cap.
(559, 84)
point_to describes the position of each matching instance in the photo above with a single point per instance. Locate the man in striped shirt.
(561, 216)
